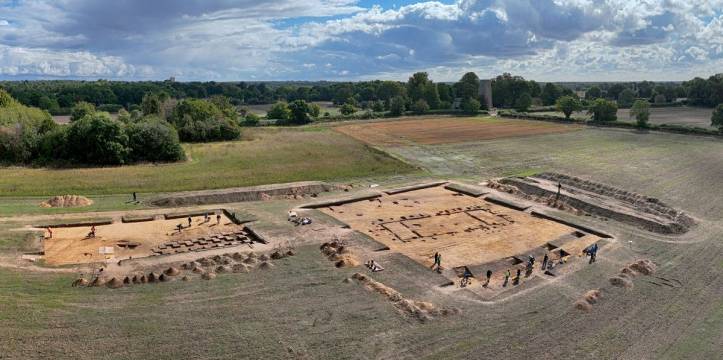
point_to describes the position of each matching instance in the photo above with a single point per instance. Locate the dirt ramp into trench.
(254, 193)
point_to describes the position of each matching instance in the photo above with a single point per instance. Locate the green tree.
(640, 110)
(420, 87)
(153, 139)
(97, 139)
(468, 86)
(397, 106)
(593, 93)
(151, 104)
(251, 119)
(314, 110)
(5, 99)
(523, 102)
(200, 120)
(347, 109)
(80, 110)
(568, 105)
(299, 112)
(470, 106)
(378, 106)
(420, 106)
(550, 94)
(603, 110)
(626, 98)
(279, 111)
(717, 118)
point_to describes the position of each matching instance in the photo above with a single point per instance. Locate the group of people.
(547, 265)
(206, 219)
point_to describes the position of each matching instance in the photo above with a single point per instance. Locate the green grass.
(274, 155)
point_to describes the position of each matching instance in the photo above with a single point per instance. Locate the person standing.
(50, 233)
(507, 278)
(517, 277)
(436, 260)
(544, 261)
(189, 221)
(218, 219)
(593, 253)
(135, 198)
(489, 276)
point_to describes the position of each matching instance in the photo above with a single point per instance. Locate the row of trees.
(30, 135)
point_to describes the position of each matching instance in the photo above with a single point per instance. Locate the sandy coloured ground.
(446, 130)
(473, 232)
(71, 245)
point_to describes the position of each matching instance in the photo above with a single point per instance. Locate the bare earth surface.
(446, 130)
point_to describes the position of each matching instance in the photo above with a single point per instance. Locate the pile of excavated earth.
(66, 201)
(206, 268)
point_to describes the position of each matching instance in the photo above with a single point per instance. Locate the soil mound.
(172, 271)
(250, 260)
(240, 268)
(592, 296)
(290, 253)
(198, 270)
(66, 201)
(126, 280)
(186, 278)
(264, 257)
(237, 256)
(115, 283)
(81, 282)
(208, 276)
(645, 267)
(276, 255)
(583, 305)
(99, 281)
(422, 310)
(266, 265)
(621, 281)
(223, 269)
(339, 254)
(143, 279)
(153, 277)
(136, 279)
(163, 278)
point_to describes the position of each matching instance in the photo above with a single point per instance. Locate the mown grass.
(274, 155)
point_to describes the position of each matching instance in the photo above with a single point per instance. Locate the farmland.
(682, 115)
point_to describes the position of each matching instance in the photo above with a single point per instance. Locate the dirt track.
(447, 130)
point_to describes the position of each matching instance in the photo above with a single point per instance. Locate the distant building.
(171, 79)
(581, 93)
(485, 93)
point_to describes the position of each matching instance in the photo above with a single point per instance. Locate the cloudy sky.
(225, 40)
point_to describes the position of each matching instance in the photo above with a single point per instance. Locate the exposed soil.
(66, 201)
(447, 130)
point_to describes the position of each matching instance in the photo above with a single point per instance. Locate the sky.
(349, 40)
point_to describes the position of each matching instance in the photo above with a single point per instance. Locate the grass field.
(684, 115)
(275, 155)
(447, 129)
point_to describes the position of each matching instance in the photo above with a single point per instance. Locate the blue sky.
(228, 40)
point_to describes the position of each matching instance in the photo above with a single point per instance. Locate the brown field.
(463, 229)
(71, 245)
(430, 130)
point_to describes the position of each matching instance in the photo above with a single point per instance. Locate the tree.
(550, 93)
(593, 93)
(467, 86)
(470, 106)
(615, 91)
(420, 106)
(80, 110)
(420, 87)
(567, 105)
(97, 139)
(200, 120)
(151, 104)
(603, 110)
(397, 106)
(153, 139)
(279, 111)
(717, 118)
(523, 102)
(251, 119)
(5, 99)
(314, 110)
(347, 109)
(378, 106)
(641, 112)
(299, 112)
(626, 98)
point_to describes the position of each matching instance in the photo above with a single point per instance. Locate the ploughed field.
(431, 130)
